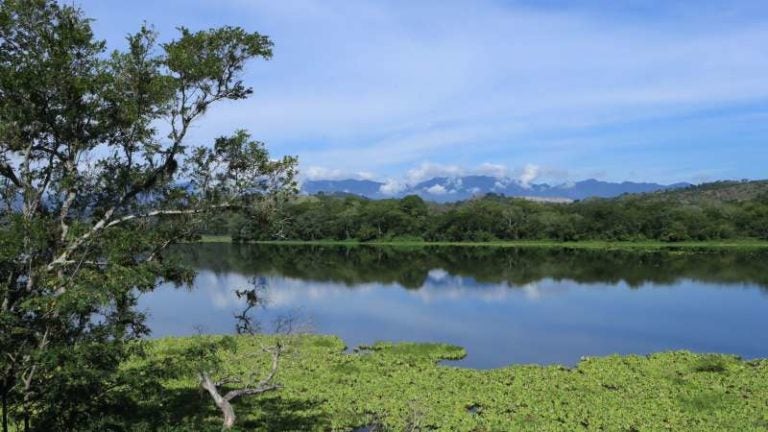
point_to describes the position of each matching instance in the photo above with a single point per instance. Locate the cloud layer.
(667, 92)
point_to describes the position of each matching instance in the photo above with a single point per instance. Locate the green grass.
(397, 385)
(587, 244)
(215, 239)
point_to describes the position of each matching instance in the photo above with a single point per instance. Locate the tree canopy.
(97, 179)
(493, 217)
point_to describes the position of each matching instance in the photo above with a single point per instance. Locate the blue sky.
(547, 91)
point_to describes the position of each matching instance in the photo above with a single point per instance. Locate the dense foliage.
(401, 387)
(661, 217)
(96, 181)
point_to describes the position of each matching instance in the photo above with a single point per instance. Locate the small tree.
(224, 386)
(96, 181)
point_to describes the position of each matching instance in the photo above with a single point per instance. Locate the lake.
(504, 305)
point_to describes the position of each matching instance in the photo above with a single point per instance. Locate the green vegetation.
(401, 387)
(586, 244)
(732, 212)
(719, 191)
(97, 180)
(93, 193)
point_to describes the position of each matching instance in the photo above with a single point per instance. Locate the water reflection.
(504, 305)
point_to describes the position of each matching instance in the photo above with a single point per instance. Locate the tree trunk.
(228, 412)
(226, 408)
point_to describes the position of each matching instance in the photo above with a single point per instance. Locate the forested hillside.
(715, 211)
(715, 192)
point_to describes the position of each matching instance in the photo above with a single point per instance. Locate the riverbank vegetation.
(740, 244)
(401, 387)
(725, 211)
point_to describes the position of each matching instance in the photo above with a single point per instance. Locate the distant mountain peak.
(448, 189)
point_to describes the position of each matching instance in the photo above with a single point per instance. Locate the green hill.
(720, 191)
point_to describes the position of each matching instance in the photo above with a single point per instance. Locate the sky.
(543, 91)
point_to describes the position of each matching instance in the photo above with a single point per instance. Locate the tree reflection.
(410, 267)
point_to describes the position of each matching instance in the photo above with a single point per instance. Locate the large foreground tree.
(96, 181)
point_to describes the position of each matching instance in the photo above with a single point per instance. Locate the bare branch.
(7, 171)
(102, 225)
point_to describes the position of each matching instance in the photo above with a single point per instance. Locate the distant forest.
(715, 211)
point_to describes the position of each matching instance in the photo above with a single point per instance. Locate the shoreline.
(587, 244)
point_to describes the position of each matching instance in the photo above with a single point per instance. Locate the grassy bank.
(588, 244)
(402, 384)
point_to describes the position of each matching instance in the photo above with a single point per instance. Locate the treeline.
(493, 217)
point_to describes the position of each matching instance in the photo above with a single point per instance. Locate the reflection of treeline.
(410, 266)
(636, 217)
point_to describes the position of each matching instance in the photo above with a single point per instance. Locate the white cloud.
(392, 187)
(428, 170)
(453, 174)
(530, 173)
(438, 274)
(437, 190)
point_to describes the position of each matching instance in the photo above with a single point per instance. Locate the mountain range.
(448, 189)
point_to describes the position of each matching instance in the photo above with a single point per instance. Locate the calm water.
(503, 305)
